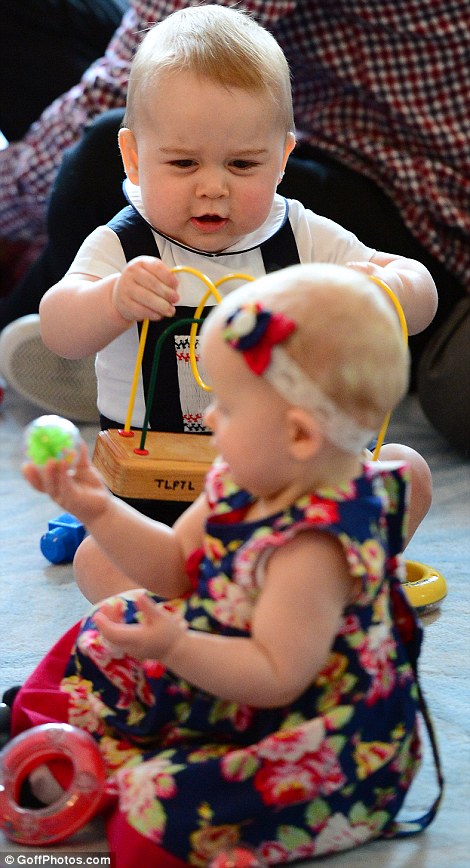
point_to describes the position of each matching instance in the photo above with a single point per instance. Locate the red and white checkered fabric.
(382, 85)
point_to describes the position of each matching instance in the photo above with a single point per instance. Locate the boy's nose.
(212, 183)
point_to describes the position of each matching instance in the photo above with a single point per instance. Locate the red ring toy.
(38, 746)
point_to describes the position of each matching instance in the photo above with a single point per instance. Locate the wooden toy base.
(174, 469)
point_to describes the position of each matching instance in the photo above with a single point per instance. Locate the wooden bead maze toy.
(164, 466)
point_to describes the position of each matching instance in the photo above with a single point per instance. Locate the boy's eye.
(244, 164)
(183, 164)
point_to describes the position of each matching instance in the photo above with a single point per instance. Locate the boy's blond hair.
(219, 43)
(348, 341)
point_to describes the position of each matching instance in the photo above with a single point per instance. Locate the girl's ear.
(305, 436)
(129, 154)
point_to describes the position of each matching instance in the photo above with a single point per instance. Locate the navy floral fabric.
(195, 774)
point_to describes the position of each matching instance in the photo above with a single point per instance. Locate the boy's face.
(207, 160)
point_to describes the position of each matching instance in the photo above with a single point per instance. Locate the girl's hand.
(146, 289)
(80, 491)
(153, 637)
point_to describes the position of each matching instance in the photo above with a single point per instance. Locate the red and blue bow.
(254, 331)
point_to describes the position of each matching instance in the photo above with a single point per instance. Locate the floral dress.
(194, 774)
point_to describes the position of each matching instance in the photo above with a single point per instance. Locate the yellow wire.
(404, 330)
(398, 307)
(135, 378)
(193, 333)
(141, 349)
(211, 290)
(236, 276)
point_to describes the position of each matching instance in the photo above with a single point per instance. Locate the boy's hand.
(80, 491)
(410, 282)
(152, 637)
(389, 275)
(146, 289)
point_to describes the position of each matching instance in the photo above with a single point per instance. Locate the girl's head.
(208, 126)
(220, 44)
(319, 345)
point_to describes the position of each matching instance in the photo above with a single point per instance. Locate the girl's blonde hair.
(348, 338)
(219, 43)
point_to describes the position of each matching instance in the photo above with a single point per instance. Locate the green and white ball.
(52, 437)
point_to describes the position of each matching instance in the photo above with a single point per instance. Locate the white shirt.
(318, 240)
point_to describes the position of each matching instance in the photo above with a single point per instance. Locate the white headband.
(258, 334)
(297, 388)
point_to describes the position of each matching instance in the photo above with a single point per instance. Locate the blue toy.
(62, 539)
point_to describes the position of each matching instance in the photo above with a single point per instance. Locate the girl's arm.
(135, 544)
(81, 314)
(410, 281)
(306, 587)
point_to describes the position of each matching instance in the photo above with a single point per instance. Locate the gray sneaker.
(62, 386)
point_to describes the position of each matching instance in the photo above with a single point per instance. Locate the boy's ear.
(288, 148)
(305, 435)
(129, 154)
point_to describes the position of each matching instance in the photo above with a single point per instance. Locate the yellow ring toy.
(425, 587)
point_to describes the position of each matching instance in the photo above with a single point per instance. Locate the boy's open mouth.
(209, 222)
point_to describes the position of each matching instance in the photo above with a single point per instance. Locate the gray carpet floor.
(39, 601)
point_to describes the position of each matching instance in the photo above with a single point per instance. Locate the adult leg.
(87, 192)
(440, 354)
(46, 46)
(355, 202)
(443, 382)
